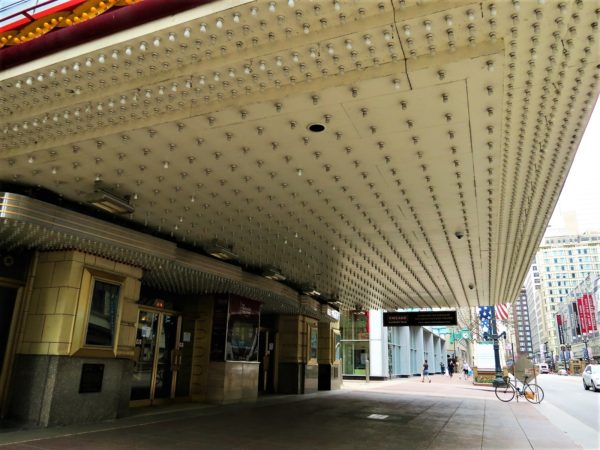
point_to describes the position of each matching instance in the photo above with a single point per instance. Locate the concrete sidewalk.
(398, 414)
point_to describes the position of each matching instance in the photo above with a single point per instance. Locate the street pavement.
(395, 414)
(571, 408)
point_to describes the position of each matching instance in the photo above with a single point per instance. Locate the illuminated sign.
(419, 319)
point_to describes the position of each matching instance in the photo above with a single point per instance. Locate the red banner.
(581, 316)
(588, 306)
(592, 313)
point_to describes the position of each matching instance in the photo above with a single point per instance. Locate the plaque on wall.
(91, 378)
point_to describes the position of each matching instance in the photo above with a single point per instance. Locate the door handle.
(176, 358)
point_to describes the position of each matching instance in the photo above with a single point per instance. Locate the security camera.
(459, 234)
(471, 286)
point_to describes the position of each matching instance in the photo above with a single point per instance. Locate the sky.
(581, 192)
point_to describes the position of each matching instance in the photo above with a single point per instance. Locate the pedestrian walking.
(425, 372)
(450, 367)
(467, 370)
(442, 368)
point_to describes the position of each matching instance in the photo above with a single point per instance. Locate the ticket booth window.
(102, 320)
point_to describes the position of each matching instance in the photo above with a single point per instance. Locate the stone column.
(330, 372)
(297, 373)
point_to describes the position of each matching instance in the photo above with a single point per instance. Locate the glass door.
(167, 357)
(157, 357)
(8, 300)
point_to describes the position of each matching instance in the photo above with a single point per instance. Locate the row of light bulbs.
(143, 46)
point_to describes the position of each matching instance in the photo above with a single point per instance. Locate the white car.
(591, 377)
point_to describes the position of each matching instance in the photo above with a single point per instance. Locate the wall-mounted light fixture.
(108, 201)
(220, 251)
(272, 273)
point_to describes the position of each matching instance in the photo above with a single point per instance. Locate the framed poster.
(313, 342)
(337, 346)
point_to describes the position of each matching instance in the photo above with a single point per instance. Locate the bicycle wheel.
(533, 393)
(505, 393)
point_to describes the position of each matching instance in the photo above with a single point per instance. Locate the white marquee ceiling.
(441, 120)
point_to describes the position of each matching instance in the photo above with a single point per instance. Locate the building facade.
(535, 308)
(372, 350)
(562, 262)
(523, 342)
(84, 337)
(577, 323)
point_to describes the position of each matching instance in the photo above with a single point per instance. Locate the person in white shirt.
(466, 370)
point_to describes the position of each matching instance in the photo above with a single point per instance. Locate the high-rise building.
(562, 262)
(535, 308)
(522, 330)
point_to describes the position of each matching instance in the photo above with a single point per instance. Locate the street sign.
(509, 362)
(421, 318)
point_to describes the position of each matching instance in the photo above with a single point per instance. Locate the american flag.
(485, 315)
(502, 311)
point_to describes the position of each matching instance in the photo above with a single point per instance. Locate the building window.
(102, 319)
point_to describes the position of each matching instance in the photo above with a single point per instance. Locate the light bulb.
(272, 7)
(172, 37)
(203, 27)
(219, 23)
(187, 32)
(101, 59)
(156, 41)
(128, 51)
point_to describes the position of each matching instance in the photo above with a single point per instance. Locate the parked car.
(562, 372)
(591, 377)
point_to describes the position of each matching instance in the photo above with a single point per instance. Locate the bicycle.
(531, 391)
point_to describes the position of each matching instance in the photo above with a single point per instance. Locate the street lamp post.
(585, 341)
(499, 380)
